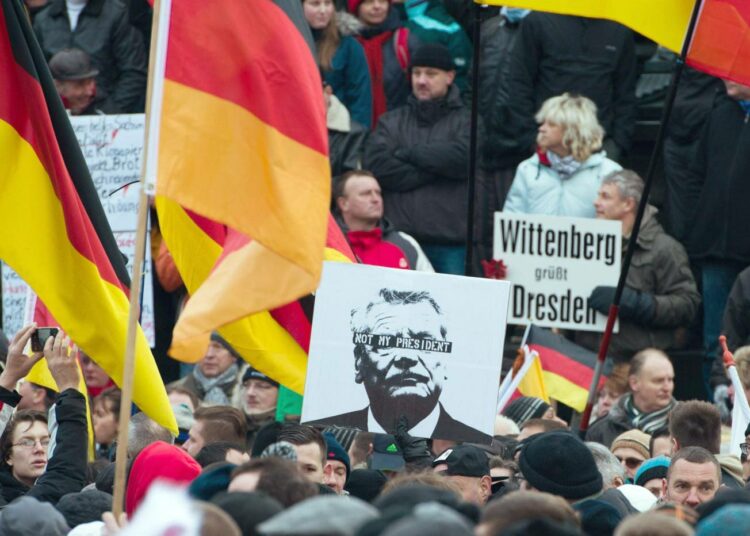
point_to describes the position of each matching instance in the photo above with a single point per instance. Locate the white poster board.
(554, 263)
(389, 342)
(112, 146)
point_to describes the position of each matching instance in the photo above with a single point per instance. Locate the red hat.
(353, 5)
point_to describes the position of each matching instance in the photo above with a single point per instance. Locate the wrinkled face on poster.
(400, 350)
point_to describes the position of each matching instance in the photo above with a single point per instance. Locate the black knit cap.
(559, 463)
(432, 55)
(255, 374)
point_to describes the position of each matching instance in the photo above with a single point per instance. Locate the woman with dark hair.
(105, 414)
(340, 57)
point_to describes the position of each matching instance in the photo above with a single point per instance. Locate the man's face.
(373, 12)
(476, 490)
(362, 200)
(652, 387)
(28, 456)
(398, 372)
(260, 396)
(610, 204)
(655, 486)
(76, 94)
(691, 483)
(93, 374)
(31, 397)
(430, 83)
(310, 461)
(737, 91)
(334, 475)
(195, 440)
(630, 459)
(216, 361)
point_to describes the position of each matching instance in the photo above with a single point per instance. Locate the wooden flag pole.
(118, 501)
(655, 156)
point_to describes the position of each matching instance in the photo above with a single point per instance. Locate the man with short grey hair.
(612, 471)
(660, 297)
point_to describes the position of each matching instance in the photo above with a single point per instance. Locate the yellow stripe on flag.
(663, 21)
(565, 391)
(532, 383)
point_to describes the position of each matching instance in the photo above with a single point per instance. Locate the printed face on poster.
(389, 343)
(555, 263)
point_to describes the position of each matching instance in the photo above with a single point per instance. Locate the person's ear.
(675, 444)
(451, 76)
(358, 376)
(485, 487)
(618, 481)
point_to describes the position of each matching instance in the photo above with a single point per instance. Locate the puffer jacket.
(116, 49)
(660, 267)
(539, 189)
(420, 155)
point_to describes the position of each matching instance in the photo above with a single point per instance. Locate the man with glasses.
(631, 450)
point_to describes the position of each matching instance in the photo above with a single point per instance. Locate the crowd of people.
(558, 114)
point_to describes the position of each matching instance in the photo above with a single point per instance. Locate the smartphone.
(40, 336)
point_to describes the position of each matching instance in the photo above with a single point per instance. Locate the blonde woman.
(563, 177)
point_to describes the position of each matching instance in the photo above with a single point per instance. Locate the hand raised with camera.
(18, 364)
(62, 363)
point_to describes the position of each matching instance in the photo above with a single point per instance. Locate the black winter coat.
(719, 187)
(559, 53)
(116, 49)
(420, 155)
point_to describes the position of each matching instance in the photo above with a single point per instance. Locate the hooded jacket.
(420, 155)
(538, 189)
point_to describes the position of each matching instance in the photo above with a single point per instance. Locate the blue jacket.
(538, 189)
(350, 80)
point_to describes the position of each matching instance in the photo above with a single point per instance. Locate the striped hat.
(525, 408)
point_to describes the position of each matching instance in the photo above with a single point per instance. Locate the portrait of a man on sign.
(402, 353)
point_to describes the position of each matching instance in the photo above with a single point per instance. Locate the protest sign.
(554, 263)
(388, 343)
(112, 146)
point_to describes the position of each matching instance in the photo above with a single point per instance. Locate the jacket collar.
(93, 8)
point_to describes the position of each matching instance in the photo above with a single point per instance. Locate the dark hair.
(190, 394)
(301, 434)
(696, 424)
(546, 425)
(694, 455)
(222, 423)
(27, 416)
(361, 446)
(656, 434)
(527, 505)
(216, 452)
(280, 479)
(339, 185)
(113, 395)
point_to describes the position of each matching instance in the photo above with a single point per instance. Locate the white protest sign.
(554, 264)
(387, 343)
(112, 146)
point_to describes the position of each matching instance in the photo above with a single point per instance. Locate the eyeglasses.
(630, 463)
(28, 443)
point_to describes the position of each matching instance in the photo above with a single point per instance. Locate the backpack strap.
(401, 47)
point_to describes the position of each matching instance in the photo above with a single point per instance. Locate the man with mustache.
(401, 351)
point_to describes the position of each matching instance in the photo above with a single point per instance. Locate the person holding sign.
(660, 298)
(563, 177)
(401, 352)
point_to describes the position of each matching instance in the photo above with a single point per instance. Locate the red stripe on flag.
(563, 365)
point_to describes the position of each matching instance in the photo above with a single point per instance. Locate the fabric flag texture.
(740, 408)
(721, 43)
(663, 21)
(54, 231)
(526, 378)
(568, 369)
(242, 142)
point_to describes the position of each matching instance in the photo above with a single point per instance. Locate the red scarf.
(374, 54)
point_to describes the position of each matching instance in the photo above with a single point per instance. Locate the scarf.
(647, 422)
(374, 53)
(564, 166)
(212, 387)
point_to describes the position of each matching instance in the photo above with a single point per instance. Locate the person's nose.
(692, 499)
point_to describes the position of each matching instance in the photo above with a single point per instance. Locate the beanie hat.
(27, 516)
(211, 481)
(650, 469)
(84, 506)
(365, 484)
(633, 439)
(640, 498)
(353, 5)
(248, 508)
(336, 452)
(433, 55)
(255, 374)
(525, 408)
(729, 520)
(221, 340)
(560, 463)
(598, 517)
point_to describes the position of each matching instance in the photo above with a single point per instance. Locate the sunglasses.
(630, 463)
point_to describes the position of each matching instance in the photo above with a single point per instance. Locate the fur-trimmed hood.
(347, 23)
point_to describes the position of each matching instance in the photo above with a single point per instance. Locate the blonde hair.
(583, 134)
(742, 359)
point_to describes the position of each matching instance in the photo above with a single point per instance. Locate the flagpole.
(654, 160)
(118, 500)
(471, 187)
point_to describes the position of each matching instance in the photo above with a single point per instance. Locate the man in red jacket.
(359, 202)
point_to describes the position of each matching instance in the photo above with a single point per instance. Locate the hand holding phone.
(40, 336)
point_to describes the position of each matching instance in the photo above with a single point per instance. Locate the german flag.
(721, 43)
(568, 369)
(240, 121)
(275, 342)
(54, 233)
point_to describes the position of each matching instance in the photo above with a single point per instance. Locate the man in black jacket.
(102, 29)
(718, 190)
(41, 459)
(419, 153)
